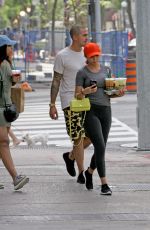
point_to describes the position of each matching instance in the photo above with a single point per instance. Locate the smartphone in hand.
(93, 82)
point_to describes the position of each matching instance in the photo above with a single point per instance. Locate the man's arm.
(55, 86)
(54, 92)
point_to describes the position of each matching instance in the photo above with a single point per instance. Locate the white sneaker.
(1, 186)
(20, 181)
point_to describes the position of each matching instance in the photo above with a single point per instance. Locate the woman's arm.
(80, 92)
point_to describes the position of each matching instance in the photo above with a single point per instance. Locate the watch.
(51, 105)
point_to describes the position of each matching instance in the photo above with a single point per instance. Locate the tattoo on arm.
(55, 86)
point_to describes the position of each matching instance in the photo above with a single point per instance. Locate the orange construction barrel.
(131, 75)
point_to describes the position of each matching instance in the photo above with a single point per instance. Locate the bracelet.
(51, 104)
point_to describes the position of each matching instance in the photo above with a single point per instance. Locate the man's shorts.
(74, 123)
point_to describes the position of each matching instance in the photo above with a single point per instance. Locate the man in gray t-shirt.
(68, 61)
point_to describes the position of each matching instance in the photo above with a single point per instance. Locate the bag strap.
(1, 80)
(2, 89)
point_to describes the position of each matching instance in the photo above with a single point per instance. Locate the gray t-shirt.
(83, 78)
(67, 63)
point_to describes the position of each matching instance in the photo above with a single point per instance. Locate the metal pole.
(143, 73)
(66, 23)
(89, 21)
(92, 20)
(98, 21)
(124, 18)
(124, 7)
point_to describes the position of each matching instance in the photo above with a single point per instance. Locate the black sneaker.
(69, 164)
(81, 179)
(89, 180)
(105, 190)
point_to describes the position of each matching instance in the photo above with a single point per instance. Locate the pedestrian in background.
(68, 61)
(5, 96)
(90, 82)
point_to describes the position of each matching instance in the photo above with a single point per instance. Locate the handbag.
(17, 97)
(80, 105)
(10, 111)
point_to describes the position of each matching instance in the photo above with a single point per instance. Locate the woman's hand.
(81, 92)
(16, 76)
(121, 92)
(90, 89)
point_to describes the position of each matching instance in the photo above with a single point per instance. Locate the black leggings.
(97, 125)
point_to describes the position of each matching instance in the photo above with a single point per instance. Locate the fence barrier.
(34, 46)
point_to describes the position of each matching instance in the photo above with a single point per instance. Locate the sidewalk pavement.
(54, 201)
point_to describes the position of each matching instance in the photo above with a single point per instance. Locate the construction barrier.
(131, 75)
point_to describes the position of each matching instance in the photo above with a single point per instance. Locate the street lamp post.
(92, 21)
(24, 26)
(23, 16)
(98, 21)
(36, 3)
(124, 6)
(66, 23)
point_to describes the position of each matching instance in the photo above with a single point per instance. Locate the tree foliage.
(11, 10)
(74, 11)
(116, 4)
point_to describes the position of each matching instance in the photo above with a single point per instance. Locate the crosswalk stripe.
(35, 120)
